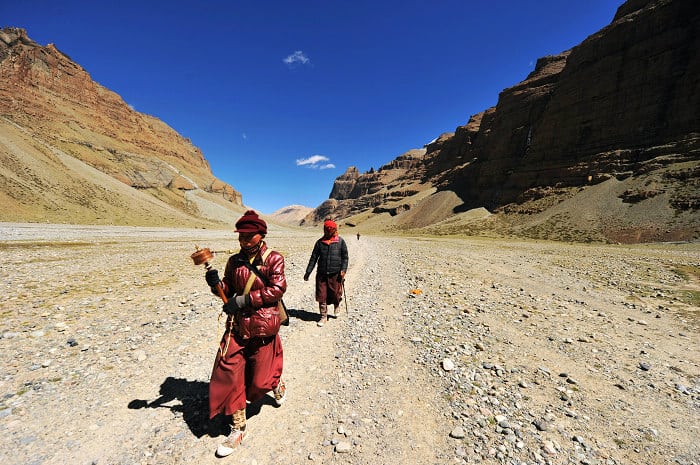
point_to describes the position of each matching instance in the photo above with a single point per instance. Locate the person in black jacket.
(331, 254)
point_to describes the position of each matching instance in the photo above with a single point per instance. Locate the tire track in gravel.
(387, 403)
(352, 384)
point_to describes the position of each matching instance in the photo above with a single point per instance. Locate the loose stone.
(343, 447)
(448, 364)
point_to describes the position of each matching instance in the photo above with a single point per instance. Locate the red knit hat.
(250, 222)
(329, 224)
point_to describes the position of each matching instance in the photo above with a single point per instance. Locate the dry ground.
(108, 335)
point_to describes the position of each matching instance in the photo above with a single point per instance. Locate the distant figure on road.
(249, 361)
(358, 236)
(331, 254)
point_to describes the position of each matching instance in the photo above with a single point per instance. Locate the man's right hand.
(212, 277)
(306, 277)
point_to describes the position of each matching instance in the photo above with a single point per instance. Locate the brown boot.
(238, 433)
(323, 308)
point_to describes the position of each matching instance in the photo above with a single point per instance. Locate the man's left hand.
(237, 303)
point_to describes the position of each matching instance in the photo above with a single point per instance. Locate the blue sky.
(282, 96)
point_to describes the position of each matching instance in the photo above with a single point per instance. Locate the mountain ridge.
(53, 114)
(598, 143)
(620, 108)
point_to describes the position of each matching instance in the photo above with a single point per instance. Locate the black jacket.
(332, 258)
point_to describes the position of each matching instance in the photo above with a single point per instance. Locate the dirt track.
(452, 351)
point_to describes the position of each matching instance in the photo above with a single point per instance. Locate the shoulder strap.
(249, 284)
(256, 272)
(266, 254)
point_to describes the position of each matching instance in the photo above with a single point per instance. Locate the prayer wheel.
(202, 257)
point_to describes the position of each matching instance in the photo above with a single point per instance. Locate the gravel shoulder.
(450, 351)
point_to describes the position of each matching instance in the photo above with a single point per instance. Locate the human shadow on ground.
(303, 314)
(194, 406)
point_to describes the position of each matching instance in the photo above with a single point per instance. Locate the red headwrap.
(329, 224)
(250, 222)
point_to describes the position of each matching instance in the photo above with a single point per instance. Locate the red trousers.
(247, 371)
(329, 289)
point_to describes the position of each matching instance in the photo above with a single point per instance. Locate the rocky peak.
(345, 184)
(14, 36)
(632, 7)
(545, 69)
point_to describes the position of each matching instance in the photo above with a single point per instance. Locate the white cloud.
(315, 162)
(295, 58)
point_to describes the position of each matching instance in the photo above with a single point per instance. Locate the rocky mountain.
(72, 151)
(600, 142)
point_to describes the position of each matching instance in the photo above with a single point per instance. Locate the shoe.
(322, 321)
(231, 442)
(280, 393)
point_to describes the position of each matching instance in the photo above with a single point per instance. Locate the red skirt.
(249, 370)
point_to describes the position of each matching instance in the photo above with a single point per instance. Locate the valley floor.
(446, 351)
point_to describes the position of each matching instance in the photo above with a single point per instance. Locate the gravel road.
(450, 351)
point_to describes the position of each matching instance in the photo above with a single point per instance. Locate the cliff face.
(600, 110)
(47, 97)
(623, 106)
